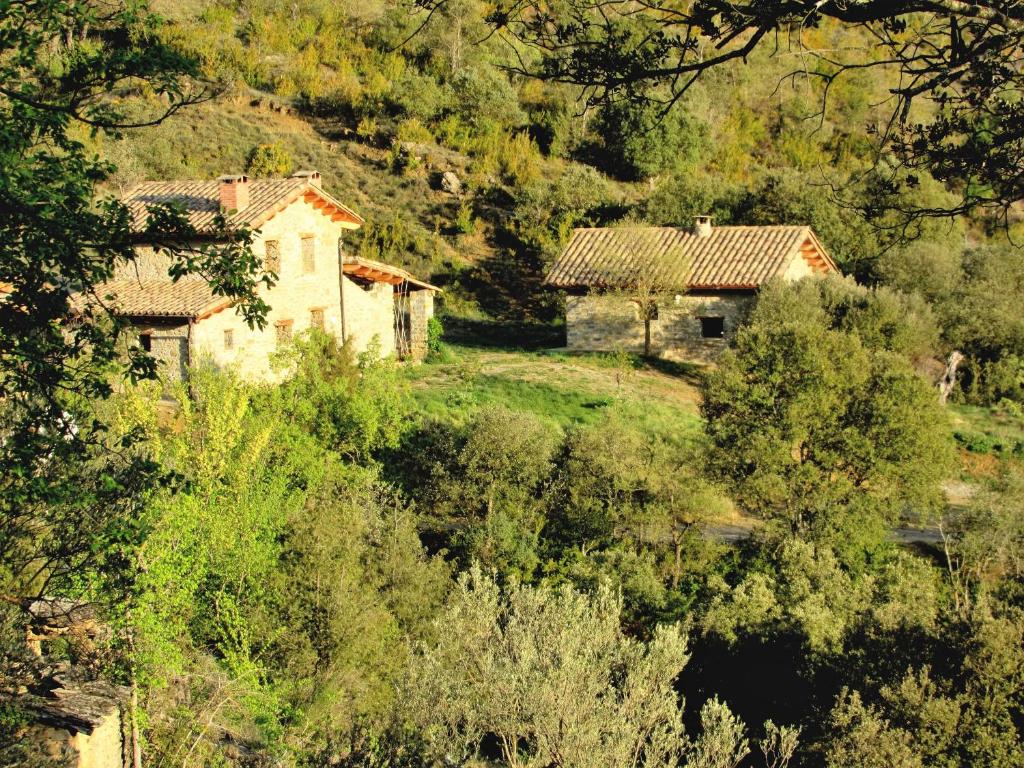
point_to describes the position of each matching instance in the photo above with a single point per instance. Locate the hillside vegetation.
(500, 557)
(383, 100)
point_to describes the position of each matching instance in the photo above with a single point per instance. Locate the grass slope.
(561, 388)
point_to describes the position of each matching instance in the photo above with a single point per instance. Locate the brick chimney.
(702, 226)
(234, 193)
(313, 177)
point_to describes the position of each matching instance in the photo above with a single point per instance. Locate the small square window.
(272, 256)
(712, 327)
(284, 331)
(316, 319)
(229, 339)
(308, 254)
(146, 341)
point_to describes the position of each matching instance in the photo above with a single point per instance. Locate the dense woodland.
(351, 569)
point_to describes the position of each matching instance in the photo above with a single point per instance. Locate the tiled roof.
(189, 298)
(201, 200)
(673, 257)
(378, 271)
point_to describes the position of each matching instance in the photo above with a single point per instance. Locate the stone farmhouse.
(679, 292)
(299, 231)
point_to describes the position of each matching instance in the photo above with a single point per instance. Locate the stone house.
(681, 293)
(300, 233)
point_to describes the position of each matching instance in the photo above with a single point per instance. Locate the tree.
(640, 144)
(488, 479)
(813, 428)
(70, 492)
(953, 56)
(550, 676)
(269, 160)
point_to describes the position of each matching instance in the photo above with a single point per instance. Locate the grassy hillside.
(562, 389)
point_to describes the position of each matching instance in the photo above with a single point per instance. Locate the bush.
(269, 160)
(465, 222)
(367, 130)
(435, 331)
(413, 132)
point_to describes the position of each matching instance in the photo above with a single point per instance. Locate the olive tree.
(551, 677)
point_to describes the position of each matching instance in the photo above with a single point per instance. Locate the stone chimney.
(234, 193)
(702, 226)
(313, 177)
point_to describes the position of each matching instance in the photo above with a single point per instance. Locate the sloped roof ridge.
(201, 200)
(732, 256)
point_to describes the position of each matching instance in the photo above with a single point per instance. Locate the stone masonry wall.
(370, 315)
(168, 344)
(369, 309)
(612, 322)
(292, 299)
(421, 309)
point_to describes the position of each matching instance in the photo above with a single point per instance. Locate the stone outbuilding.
(672, 292)
(300, 234)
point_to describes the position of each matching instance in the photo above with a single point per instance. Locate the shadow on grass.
(691, 372)
(492, 334)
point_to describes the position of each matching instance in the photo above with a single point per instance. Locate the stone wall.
(370, 315)
(613, 322)
(168, 344)
(298, 300)
(421, 309)
(292, 300)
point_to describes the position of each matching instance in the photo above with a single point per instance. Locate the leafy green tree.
(983, 318)
(354, 404)
(550, 676)
(817, 431)
(641, 141)
(70, 493)
(865, 740)
(281, 589)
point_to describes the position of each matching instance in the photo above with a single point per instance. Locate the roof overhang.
(379, 272)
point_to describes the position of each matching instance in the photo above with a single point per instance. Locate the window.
(229, 339)
(284, 331)
(308, 254)
(712, 327)
(146, 341)
(316, 319)
(272, 256)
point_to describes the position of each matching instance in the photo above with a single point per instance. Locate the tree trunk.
(948, 380)
(677, 564)
(647, 337)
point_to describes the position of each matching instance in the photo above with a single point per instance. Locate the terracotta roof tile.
(379, 271)
(201, 200)
(727, 257)
(189, 297)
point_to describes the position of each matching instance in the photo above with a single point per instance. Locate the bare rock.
(451, 183)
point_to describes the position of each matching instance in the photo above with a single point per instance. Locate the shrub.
(435, 347)
(267, 160)
(520, 159)
(465, 222)
(403, 160)
(413, 131)
(367, 129)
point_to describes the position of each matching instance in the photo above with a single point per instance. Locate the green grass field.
(560, 388)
